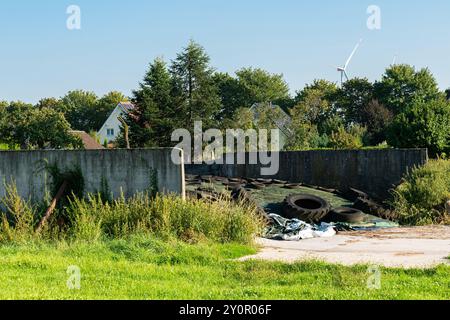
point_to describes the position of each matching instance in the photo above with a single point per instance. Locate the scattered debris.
(295, 230)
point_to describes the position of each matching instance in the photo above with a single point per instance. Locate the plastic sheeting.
(295, 230)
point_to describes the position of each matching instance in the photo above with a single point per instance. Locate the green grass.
(145, 268)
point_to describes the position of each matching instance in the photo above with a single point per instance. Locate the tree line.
(404, 109)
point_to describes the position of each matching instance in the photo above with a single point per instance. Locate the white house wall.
(111, 123)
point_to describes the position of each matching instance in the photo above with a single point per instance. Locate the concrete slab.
(401, 247)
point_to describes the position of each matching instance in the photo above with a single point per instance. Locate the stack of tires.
(314, 209)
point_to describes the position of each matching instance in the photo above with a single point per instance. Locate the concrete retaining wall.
(128, 171)
(374, 171)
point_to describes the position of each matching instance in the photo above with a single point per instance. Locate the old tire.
(343, 214)
(292, 186)
(305, 207)
(353, 194)
(373, 208)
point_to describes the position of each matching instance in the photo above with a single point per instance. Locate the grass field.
(143, 268)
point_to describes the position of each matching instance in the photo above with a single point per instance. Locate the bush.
(347, 139)
(421, 198)
(17, 220)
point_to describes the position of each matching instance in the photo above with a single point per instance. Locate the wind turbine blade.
(394, 60)
(352, 54)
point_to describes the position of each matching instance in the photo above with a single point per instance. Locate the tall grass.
(164, 216)
(421, 198)
(17, 220)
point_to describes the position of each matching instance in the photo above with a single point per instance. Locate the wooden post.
(52, 207)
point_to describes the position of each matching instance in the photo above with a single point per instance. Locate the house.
(89, 142)
(111, 129)
(281, 120)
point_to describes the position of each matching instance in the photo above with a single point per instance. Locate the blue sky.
(40, 57)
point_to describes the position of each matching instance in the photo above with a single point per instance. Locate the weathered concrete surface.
(374, 171)
(126, 171)
(403, 247)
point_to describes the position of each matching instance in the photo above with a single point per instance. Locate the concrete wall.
(126, 170)
(374, 171)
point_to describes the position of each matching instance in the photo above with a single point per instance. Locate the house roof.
(89, 143)
(126, 106)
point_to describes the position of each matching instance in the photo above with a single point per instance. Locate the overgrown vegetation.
(421, 198)
(163, 216)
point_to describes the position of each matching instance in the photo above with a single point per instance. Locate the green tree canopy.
(260, 86)
(36, 128)
(422, 124)
(401, 85)
(352, 98)
(79, 107)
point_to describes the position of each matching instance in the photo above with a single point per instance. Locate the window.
(110, 132)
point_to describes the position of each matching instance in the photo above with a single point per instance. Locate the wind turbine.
(343, 70)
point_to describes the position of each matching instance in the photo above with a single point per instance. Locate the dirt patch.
(426, 232)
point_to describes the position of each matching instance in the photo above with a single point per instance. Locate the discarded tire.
(255, 185)
(305, 207)
(343, 214)
(373, 208)
(292, 186)
(279, 182)
(353, 194)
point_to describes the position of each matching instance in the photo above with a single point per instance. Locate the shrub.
(421, 198)
(348, 139)
(17, 219)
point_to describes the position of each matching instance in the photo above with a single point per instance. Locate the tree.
(304, 134)
(49, 129)
(232, 95)
(260, 86)
(447, 93)
(195, 93)
(401, 85)
(377, 118)
(151, 121)
(317, 101)
(51, 103)
(352, 98)
(36, 128)
(422, 124)
(78, 108)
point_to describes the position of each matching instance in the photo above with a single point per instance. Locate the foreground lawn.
(151, 269)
